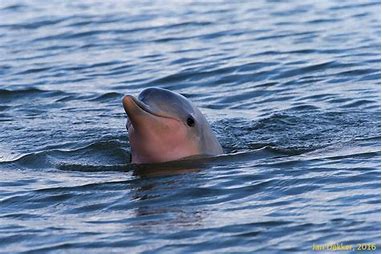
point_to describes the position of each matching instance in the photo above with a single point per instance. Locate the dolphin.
(165, 126)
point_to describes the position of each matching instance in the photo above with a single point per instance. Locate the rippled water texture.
(292, 89)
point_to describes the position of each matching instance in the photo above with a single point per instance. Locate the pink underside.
(170, 141)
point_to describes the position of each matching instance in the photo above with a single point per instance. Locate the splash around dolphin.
(165, 126)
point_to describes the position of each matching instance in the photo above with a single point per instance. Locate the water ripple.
(291, 89)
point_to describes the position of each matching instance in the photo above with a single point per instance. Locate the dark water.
(292, 89)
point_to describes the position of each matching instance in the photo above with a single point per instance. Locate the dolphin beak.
(133, 108)
(137, 112)
(128, 104)
(142, 115)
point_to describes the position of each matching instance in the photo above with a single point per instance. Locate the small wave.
(14, 7)
(95, 155)
(111, 96)
(35, 24)
(9, 94)
(308, 69)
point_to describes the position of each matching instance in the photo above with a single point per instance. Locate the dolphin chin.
(165, 126)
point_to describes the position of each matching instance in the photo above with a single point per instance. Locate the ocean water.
(291, 88)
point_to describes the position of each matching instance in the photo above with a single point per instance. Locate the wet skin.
(166, 126)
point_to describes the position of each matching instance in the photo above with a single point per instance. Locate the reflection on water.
(154, 206)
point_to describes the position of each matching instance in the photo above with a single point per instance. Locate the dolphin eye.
(190, 121)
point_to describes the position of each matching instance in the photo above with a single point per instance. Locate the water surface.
(292, 90)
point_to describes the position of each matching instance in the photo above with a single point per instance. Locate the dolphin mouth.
(139, 104)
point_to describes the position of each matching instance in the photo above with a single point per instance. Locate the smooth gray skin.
(163, 102)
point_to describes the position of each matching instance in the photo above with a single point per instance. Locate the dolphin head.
(165, 126)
